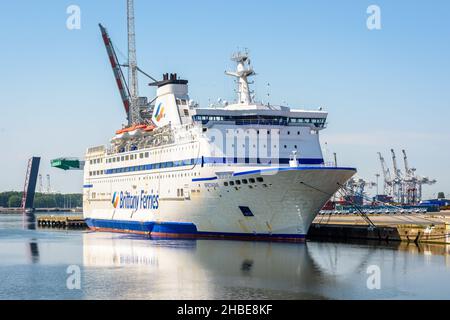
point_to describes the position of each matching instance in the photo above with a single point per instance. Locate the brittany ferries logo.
(115, 200)
(159, 114)
(125, 200)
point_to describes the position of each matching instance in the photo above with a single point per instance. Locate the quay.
(62, 222)
(417, 228)
(39, 210)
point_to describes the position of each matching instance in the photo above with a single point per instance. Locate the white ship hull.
(282, 205)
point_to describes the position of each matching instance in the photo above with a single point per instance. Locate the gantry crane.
(410, 181)
(386, 175)
(403, 187)
(398, 180)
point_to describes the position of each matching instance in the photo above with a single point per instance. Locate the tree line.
(13, 199)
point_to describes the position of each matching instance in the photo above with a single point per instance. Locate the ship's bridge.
(261, 115)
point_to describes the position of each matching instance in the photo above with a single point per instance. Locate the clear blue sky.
(385, 88)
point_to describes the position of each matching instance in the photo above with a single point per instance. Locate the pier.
(39, 210)
(62, 222)
(426, 228)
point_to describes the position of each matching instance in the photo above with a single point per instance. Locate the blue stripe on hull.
(176, 228)
(147, 227)
(276, 169)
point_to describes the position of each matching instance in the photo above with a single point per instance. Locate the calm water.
(34, 262)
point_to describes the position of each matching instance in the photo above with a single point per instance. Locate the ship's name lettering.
(140, 201)
(211, 185)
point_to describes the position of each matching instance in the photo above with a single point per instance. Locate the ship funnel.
(172, 102)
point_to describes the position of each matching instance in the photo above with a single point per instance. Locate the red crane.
(118, 74)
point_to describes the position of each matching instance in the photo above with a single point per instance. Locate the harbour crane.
(136, 107)
(405, 160)
(405, 188)
(49, 187)
(398, 180)
(386, 175)
(40, 185)
(134, 114)
(117, 70)
(410, 181)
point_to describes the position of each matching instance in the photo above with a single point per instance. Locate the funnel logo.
(159, 114)
(115, 200)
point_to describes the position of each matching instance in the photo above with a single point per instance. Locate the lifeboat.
(135, 129)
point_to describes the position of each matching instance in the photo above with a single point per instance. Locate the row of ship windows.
(288, 132)
(128, 157)
(259, 119)
(274, 146)
(140, 155)
(153, 166)
(243, 181)
(150, 177)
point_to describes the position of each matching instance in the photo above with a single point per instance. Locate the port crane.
(398, 180)
(410, 181)
(386, 175)
(136, 107)
(406, 187)
(117, 70)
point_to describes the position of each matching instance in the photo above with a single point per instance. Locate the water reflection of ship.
(210, 269)
(205, 268)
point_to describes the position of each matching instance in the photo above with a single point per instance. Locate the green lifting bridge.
(67, 164)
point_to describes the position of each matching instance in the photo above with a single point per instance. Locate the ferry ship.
(243, 170)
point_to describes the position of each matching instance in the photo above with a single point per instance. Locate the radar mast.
(242, 73)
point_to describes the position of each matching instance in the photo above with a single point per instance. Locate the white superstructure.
(243, 169)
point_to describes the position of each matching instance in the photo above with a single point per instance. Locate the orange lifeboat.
(144, 127)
